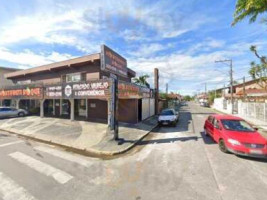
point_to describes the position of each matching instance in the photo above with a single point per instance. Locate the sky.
(180, 38)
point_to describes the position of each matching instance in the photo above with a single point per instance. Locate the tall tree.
(142, 80)
(249, 8)
(258, 71)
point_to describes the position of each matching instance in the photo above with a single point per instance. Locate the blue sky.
(181, 38)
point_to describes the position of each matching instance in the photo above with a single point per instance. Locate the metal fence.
(253, 110)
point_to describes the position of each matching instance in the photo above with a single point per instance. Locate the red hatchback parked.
(235, 135)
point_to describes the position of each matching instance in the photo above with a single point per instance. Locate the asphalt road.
(171, 163)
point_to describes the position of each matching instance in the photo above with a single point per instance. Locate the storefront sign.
(113, 62)
(132, 91)
(86, 90)
(127, 90)
(54, 92)
(22, 93)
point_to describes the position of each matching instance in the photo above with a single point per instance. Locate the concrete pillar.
(86, 105)
(60, 107)
(54, 107)
(17, 103)
(42, 107)
(72, 109)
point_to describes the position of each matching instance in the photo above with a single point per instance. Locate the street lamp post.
(230, 63)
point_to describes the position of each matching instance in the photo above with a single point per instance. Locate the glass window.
(237, 125)
(73, 77)
(167, 112)
(216, 123)
(6, 109)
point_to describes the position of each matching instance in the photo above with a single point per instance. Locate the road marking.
(60, 176)
(64, 155)
(11, 190)
(10, 143)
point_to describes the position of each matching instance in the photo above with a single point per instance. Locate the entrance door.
(139, 109)
(66, 108)
(57, 107)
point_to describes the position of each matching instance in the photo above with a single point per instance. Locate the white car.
(168, 117)
(12, 112)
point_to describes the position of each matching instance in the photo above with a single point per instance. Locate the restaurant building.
(81, 89)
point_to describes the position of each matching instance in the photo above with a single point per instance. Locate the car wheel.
(21, 114)
(222, 146)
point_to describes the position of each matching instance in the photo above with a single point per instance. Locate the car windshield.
(167, 112)
(237, 125)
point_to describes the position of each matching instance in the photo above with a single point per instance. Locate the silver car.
(12, 112)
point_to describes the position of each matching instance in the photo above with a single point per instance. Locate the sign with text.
(113, 62)
(128, 90)
(53, 92)
(98, 89)
(22, 93)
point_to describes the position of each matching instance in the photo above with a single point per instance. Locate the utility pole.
(156, 86)
(244, 87)
(215, 92)
(230, 63)
(205, 88)
(166, 88)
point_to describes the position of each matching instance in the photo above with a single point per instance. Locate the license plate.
(165, 123)
(255, 151)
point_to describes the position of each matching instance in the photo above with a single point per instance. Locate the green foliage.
(249, 8)
(212, 96)
(258, 71)
(163, 96)
(188, 98)
(142, 81)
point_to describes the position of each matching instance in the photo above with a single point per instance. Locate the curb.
(86, 152)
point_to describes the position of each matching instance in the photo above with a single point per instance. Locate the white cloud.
(178, 67)
(27, 58)
(148, 50)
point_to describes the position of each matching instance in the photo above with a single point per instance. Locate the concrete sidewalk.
(81, 136)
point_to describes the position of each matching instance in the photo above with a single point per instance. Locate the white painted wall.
(152, 107)
(145, 108)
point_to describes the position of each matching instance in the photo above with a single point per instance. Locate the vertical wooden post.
(156, 86)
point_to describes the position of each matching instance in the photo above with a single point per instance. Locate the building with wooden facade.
(81, 89)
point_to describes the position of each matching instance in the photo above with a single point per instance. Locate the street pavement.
(171, 163)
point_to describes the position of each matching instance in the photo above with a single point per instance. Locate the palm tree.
(142, 81)
(249, 8)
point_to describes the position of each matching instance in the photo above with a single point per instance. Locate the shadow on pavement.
(253, 159)
(207, 139)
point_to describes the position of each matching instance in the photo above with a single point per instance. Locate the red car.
(235, 135)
